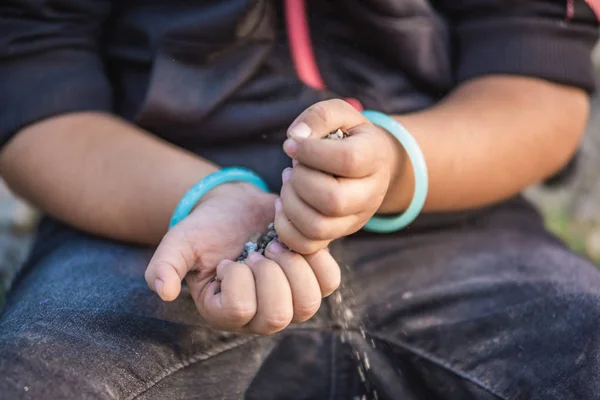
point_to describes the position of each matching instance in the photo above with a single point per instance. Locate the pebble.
(348, 314)
(338, 297)
(407, 295)
(362, 375)
(337, 135)
(251, 247)
(258, 243)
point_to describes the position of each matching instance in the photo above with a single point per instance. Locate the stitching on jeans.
(437, 361)
(190, 361)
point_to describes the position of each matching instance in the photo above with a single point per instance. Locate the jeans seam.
(439, 362)
(190, 361)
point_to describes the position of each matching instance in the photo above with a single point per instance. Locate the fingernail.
(158, 286)
(290, 146)
(300, 130)
(274, 247)
(278, 205)
(286, 175)
(253, 257)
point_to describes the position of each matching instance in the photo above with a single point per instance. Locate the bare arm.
(101, 174)
(490, 139)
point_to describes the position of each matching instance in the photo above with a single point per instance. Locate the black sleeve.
(49, 60)
(548, 39)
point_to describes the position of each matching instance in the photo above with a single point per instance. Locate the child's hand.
(336, 186)
(264, 295)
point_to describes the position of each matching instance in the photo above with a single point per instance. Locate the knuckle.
(318, 229)
(304, 246)
(286, 239)
(339, 103)
(306, 309)
(164, 268)
(240, 314)
(266, 264)
(320, 111)
(330, 285)
(277, 321)
(334, 204)
(351, 160)
(290, 257)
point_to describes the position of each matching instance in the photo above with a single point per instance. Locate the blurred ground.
(572, 211)
(17, 222)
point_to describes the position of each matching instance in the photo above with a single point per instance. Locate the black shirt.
(215, 76)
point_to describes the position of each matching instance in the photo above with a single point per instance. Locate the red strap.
(302, 50)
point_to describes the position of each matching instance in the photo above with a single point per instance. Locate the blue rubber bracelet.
(392, 224)
(228, 174)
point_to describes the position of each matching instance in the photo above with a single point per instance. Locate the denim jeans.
(485, 307)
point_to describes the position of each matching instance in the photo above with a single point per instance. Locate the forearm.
(101, 174)
(488, 140)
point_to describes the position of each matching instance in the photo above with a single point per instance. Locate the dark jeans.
(491, 307)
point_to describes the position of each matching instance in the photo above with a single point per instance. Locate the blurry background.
(572, 211)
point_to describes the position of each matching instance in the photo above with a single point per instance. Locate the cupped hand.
(262, 296)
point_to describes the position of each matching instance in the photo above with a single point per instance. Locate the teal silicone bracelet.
(228, 174)
(392, 224)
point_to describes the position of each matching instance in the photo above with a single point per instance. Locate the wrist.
(199, 191)
(401, 178)
(262, 202)
(231, 189)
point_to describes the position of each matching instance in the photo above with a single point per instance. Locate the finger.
(306, 292)
(312, 224)
(228, 302)
(326, 269)
(172, 260)
(292, 237)
(324, 117)
(275, 308)
(331, 196)
(357, 156)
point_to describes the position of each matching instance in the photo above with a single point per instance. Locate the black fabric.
(50, 61)
(534, 38)
(213, 75)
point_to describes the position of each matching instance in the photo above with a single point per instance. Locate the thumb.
(172, 260)
(324, 117)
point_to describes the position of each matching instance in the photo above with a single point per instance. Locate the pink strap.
(302, 50)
